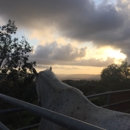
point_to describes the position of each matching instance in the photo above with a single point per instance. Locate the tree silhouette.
(125, 69)
(113, 73)
(13, 52)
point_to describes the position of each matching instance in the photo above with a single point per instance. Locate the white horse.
(67, 100)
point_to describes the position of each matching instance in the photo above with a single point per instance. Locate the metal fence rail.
(11, 110)
(60, 119)
(3, 127)
(107, 93)
(53, 116)
(29, 127)
(112, 102)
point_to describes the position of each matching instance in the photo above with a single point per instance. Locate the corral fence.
(116, 100)
(60, 119)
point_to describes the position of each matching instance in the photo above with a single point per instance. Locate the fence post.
(108, 99)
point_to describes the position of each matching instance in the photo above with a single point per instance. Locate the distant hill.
(78, 77)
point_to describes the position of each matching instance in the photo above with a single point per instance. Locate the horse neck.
(47, 87)
(47, 98)
(45, 92)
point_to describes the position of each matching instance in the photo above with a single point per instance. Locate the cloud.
(94, 62)
(51, 52)
(58, 54)
(76, 19)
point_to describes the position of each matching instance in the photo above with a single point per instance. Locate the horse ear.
(50, 68)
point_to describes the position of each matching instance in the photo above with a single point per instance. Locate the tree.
(125, 68)
(13, 53)
(13, 66)
(113, 73)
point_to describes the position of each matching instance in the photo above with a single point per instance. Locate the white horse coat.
(64, 99)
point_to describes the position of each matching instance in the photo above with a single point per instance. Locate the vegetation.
(13, 53)
(114, 77)
(115, 73)
(16, 75)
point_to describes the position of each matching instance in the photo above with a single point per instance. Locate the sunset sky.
(72, 36)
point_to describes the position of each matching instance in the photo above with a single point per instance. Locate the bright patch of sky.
(91, 49)
(106, 52)
(23, 33)
(102, 53)
(98, 2)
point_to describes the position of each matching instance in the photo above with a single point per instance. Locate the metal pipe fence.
(11, 110)
(29, 127)
(110, 96)
(60, 119)
(3, 127)
(53, 116)
(107, 93)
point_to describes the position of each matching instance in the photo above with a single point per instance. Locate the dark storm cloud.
(55, 52)
(103, 21)
(77, 19)
(46, 11)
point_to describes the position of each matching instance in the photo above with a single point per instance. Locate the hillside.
(78, 77)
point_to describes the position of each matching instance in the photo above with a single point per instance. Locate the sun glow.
(108, 52)
(104, 53)
(117, 54)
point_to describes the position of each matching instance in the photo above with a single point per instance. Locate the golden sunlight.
(117, 54)
(106, 52)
